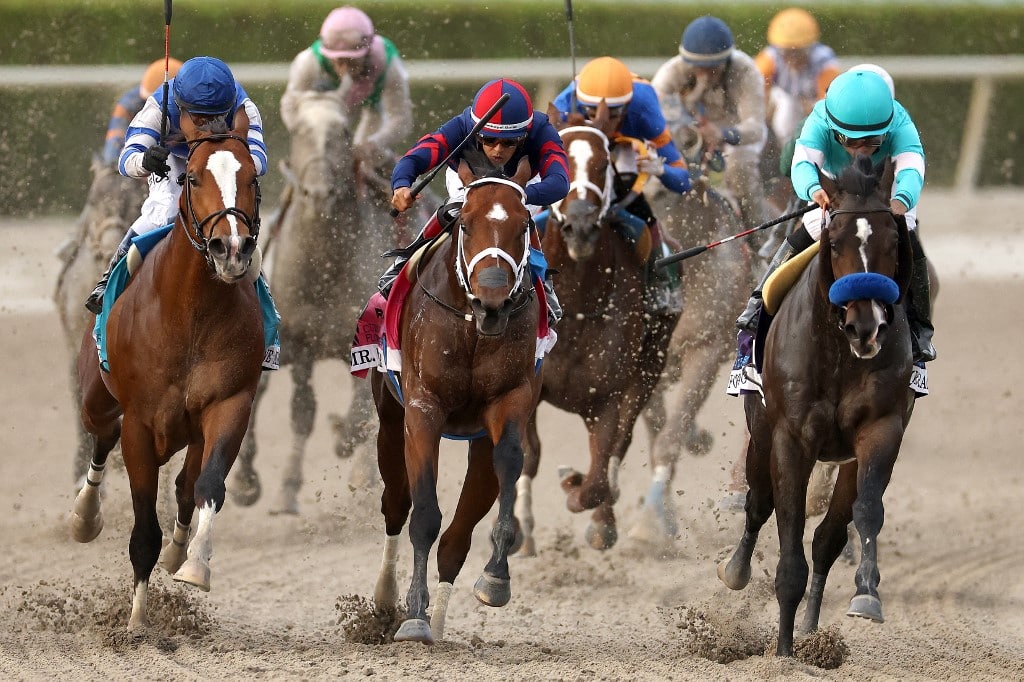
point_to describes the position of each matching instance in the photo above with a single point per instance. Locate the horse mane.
(482, 166)
(861, 177)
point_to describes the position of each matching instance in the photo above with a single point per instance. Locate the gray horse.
(113, 204)
(715, 285)
(327, 242)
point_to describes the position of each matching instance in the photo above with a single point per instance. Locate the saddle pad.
(783, 279)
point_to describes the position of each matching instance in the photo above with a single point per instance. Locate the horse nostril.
(217, 248)
(248, 247)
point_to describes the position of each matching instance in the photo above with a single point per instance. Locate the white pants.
(787, 112)
(161, 204)
(812, 222)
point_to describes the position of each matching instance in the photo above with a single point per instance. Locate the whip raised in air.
(167, 70)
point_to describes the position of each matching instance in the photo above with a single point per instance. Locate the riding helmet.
(859, 104)
(605, 78)
(513, 119)
(204, 85)
(707, 41)
(347, 33)
(875, 68)
(793, 29)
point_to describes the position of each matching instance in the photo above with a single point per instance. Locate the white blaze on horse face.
(497, 212)
(581, 152)
(224, 167)
(864, 233)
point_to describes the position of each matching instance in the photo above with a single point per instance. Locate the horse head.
(493, 245)
(865, 259)
(219, 206)
(591, 179)
(319, 165)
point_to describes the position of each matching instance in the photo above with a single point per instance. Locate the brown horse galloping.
(837, 363)
(468, 339)
(185, 345)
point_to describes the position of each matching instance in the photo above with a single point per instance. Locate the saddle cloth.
(122, 272)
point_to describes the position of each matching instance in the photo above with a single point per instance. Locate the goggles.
(590, 111)
(871, 141)
(489, 141)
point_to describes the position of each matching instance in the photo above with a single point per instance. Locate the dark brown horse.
(837, 362)
(468, 338)
(184, 345)
(611, 351)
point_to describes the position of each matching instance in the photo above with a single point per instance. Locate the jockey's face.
(864, 145)
(796, 58)
(356, 67)
(712, 75)
(500, 149)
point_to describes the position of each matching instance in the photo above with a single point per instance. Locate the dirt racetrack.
(283, 586)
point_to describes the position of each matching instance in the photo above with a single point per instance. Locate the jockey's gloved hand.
(155, 160)
(653, 165)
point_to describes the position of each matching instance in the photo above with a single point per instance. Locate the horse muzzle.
(581, 229)
(865, 324)
(231, 256)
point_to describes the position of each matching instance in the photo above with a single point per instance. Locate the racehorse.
(611, 350)
(715, 286)
(112, 205)
(835, 373)
(324, 267)
(468, 340)
(185, 346)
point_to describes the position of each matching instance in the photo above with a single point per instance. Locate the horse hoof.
(85, 530)
(173, 556)
(415, 630)
(733, 502)
(601, 537)
(194, 572)
(287, 504)
(866, 606)
(491, 591)
(137, 627)
(699, 442)
(734, 577)
(247, 490)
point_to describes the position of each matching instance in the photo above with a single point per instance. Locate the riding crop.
(572, 52)
(689, 253)
(484, 120)
(167, 69)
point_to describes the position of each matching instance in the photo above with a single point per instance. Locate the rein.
(195, 234)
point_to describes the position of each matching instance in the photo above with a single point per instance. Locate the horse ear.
(555, 116)
(827, 277)
(904, 257)
(523, 172)
(241, 123)
(602, 118)
(466, 172)
(888, 173)
(829, 185)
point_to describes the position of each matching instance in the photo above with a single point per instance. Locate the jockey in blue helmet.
(707, 41)
(205, 90)
(514, 132)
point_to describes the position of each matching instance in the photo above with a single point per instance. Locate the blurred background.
(62, 66)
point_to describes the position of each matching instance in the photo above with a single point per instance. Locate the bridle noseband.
(195, 235)
(582, 186)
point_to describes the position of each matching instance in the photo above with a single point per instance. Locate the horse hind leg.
(303, 411)
(735, 572)
(526, 545)
(246, 489)
(144, 545)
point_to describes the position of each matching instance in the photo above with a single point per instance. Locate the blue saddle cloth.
(120, 275)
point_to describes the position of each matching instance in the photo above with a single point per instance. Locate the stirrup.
(94, 303)
(747, 321)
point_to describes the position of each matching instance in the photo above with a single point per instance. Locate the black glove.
(155, 160)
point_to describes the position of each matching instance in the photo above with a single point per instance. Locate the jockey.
(796, 68)
(204, 90)
(860, 115)
(130, 103)
(633, 104)
(365, 71)
(514, 132)
(716, 89)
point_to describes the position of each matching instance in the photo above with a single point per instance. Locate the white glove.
(652, 165)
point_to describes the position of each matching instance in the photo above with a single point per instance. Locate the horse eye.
(193, 180)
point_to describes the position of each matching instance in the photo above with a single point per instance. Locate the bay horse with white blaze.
(468, 340)
(836, 369)
(185, 346)
(611, 350)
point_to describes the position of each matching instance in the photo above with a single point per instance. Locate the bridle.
(583, 186)
(866, 285)
(192, 225)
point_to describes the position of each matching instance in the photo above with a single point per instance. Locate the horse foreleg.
(144, 546)
(505, 466)
(175, 551)
(246, 489)
(524, 491)
(877, 448)
(395, 499)
(735, 572)
(303, 409)
(830, 537)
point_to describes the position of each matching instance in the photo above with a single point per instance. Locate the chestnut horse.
(611, 350)
(468, 339)
(184, 346)
(837, 363)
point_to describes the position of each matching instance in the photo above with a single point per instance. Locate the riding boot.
(920, 313)
(443, 219)
(554, 305)
(664, 292)
(94, 303)
(748, 318)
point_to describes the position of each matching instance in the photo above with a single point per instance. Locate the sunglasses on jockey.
(488, 141)
(870, 141)
(590, 111)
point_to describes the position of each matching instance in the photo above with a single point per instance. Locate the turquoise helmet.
(858, 103)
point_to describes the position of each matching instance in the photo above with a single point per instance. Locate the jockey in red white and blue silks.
(540, 143)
